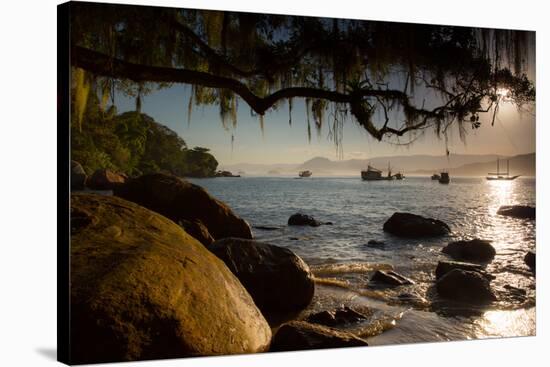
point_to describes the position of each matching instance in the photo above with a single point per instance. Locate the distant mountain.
(524, 165)
(458, 164)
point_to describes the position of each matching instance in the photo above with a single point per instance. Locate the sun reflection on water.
(507, 323)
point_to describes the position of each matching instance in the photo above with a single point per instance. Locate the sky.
(513, 133)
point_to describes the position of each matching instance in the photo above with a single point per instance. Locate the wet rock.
(301, 335)
(276, 278)
(465, 286)
(78, 176)
(142, 288)
(530, 260)
(267, 228)
(474, 250)
(443, 267)
(390, 278)
(179, 200)
(412, 225)
(340, 316)
(105, 179)
(299, 219)
(198, 230)
(518, 211)
(376, 244)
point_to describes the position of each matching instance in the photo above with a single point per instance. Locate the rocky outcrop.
(78, 176)
(276, 278)
(105, 179)
(412, 225)
(474, 250)
(179, 200)
(443, 267)
(389, 279)
(300, 219)
(142, 288)
(340, 316)
(465, 286)
(530, 260)
(518, 211)
(198, 230)
(301, 335)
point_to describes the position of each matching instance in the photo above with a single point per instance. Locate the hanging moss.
(81, 93)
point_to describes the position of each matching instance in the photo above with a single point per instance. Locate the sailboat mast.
(498, 167)
(508, 167)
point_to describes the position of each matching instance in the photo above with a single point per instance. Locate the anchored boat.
(305, 173)
(374, 174)
(444, 178)
(498, 176)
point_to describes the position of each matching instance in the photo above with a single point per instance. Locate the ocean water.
(342, 262)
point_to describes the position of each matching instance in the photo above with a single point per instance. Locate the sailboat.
(498, 176)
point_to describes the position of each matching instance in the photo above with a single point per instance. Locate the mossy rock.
(142, 288)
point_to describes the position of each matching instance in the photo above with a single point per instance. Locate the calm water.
(343, 263)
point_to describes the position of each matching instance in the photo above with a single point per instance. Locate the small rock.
(267, 228)
(530, 260)
(301, 335)
(105, 179)
(474, 250)
(412, 225)
(341, 316)
(518, 211)
(390, 278)
(465, 286)
(299, 219)
(376, 244)
(443, 267)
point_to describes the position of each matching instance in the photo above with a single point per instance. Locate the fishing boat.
(444, 178)
(498, 176)
(399, 176)
(436, 177)
(305, 174)
(374, 174)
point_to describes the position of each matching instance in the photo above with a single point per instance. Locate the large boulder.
(443, 267)
(179, 200)
(301, 335)
(530, 260)
(412, 225)
(465, 286)
(276, 278)
(517, 211)
(389, 279)
(105, 179)
(142, 288)
(78, 176)
(300, 219)
(473, 250)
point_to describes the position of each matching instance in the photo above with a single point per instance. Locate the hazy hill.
(458, 164)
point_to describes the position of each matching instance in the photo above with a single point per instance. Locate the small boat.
(305, 173)
(498, 176)
(444, 179)
(374, 174)
(399, 176)
(436, 177)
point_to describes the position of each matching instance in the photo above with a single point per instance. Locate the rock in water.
(142, 288)
(78, 176)
(530, 260)
(178, 200)
(412, 225)
(301, 335)
(474, 250)
(518, 211)
(105, 179)
(340, 316)
(390, 278)
(465, 286)
(299, 219)
(276, 278)
(443, 267)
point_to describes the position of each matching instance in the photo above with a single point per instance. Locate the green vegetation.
(133, 143)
